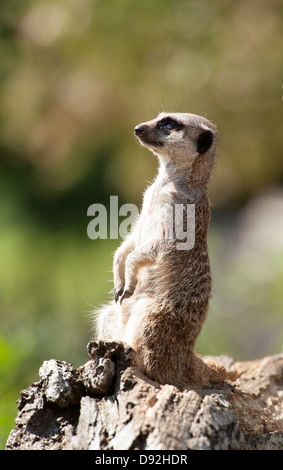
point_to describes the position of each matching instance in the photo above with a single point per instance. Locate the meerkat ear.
(204, 141)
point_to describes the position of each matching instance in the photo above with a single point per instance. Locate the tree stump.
(107, 404)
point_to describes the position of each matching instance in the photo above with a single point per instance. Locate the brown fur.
(162, 293)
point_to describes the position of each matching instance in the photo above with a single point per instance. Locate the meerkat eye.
(169, 124)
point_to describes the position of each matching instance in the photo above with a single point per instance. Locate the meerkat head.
(181, 140)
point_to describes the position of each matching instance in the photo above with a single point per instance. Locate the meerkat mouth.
(154, 143)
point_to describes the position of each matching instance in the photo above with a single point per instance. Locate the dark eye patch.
(169, 124)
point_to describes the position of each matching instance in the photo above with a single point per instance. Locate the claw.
(126, 294)
(117, 294)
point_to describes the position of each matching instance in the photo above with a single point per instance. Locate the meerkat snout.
(139, 130)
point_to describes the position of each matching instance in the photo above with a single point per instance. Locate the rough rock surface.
(108, 404)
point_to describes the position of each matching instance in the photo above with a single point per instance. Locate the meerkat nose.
(139, 130)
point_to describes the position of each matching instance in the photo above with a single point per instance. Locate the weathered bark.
(109, 404)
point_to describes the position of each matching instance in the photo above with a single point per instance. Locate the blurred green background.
(75, 78)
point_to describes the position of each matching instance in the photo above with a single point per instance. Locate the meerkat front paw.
(126, 294)
(118, 293)
(129, 289)
(123, 293)
(119, 285)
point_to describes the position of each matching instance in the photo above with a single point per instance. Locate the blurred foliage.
(75, 78)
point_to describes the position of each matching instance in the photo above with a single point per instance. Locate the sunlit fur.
(163, 293)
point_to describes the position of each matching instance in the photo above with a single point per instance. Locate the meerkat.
(161, 292)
